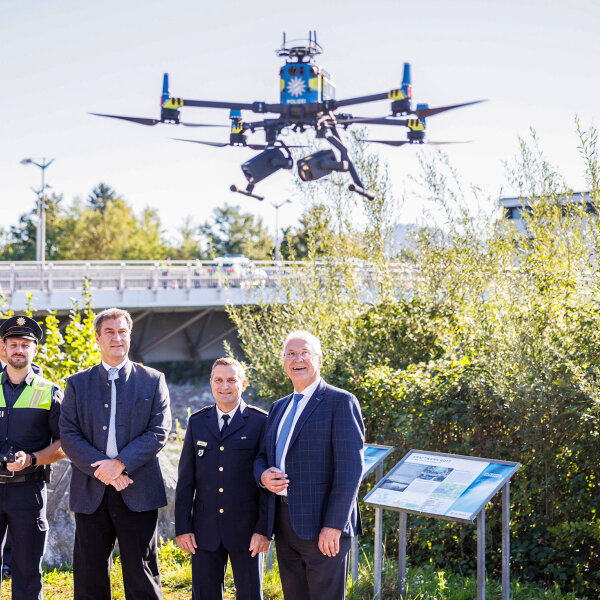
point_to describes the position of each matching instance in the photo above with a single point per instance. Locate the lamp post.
(277, 207)
(40, 240)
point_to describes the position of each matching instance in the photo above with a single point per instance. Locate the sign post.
(374, 455)
(450, 487)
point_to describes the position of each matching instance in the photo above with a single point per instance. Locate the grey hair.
(312, 340)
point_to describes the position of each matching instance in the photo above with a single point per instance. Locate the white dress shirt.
(112, 428)
(306, 396)
(231, 414)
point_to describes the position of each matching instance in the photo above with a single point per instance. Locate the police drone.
(306, 102)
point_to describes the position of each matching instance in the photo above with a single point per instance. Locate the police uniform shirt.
(28, 429)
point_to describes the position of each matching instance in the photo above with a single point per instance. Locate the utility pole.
(40, 240)
(277, 207)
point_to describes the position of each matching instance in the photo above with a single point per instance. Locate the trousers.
(95, 537)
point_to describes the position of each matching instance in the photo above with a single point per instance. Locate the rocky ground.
(187, 399)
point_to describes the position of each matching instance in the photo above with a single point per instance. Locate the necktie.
(225, 424)
(111, 444)
(285, 430)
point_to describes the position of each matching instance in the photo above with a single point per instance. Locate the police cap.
(22, 327)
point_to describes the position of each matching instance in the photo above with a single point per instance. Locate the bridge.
(178, 307)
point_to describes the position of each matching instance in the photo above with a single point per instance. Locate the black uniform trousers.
(23, 511)
(306, 573)
(208, 574)
(95, 537)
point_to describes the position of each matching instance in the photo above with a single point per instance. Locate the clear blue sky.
(536, 61)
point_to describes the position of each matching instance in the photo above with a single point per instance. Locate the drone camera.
(320, 164)
(264, 164)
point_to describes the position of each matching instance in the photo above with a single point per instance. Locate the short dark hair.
(227, 361)
(111, 313)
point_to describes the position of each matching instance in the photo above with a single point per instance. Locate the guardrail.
(155, 275)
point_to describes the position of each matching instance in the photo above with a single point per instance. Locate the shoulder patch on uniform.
(257, 409)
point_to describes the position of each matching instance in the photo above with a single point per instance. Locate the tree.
(101, 196)
(231, 231)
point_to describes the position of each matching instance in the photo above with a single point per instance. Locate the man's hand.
(329, 541)
(22, 461)
(121, 482)
(187, 542)
(108, 469)
(259, 543)
(274, 479)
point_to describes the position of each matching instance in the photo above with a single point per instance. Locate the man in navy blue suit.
(220, 511)
(311, 462)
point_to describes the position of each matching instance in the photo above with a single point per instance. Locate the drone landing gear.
(332, 136)
(247, 191)
(361, 192)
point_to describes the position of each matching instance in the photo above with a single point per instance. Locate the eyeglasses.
(291, 355)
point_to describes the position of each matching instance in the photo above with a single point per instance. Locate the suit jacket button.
(221, 490)
(222, 448)
(220, 468)
(104, 427)
(221, 510)
(106, 406)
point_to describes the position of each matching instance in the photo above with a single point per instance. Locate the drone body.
(306, 101)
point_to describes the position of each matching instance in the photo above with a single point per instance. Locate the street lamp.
(277, 207)
(40, 239)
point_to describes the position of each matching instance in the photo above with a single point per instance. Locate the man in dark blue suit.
(219, 509)
(311, 462)
(114, 422)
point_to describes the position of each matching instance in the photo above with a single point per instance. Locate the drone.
(307, 102)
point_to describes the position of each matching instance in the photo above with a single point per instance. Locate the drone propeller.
(152, 122)
(423, 113)
(402, 142)
(223, 144)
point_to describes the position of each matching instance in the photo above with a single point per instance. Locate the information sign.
(374, 455)
(446, 486)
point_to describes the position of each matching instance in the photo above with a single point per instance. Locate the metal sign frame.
(478, 513)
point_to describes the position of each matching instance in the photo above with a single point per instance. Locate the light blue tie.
(111, 444)
(285, 430)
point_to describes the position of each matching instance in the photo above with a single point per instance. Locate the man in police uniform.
(29, 438)
(219, 509)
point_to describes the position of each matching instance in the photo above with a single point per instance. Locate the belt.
(35, 476)
(283, 499)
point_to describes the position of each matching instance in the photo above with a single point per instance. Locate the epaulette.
(257, 409)
(201, 410)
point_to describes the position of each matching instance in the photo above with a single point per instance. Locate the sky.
(537, 62)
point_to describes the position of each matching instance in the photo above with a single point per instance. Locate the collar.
(307, 392)
(120, 366)
(241, 405)
(28, 379)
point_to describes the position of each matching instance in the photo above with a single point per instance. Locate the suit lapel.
(308, 409)
(238, 420)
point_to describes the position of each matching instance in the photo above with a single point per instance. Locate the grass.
(424, 583)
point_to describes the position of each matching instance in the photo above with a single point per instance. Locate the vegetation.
(424, 583)
(105, 227)
(486, 344)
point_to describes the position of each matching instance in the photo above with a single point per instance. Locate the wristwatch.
(33, 458)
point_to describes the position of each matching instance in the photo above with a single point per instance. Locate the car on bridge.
(236, 270)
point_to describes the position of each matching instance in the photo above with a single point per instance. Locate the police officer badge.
(201, 447)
